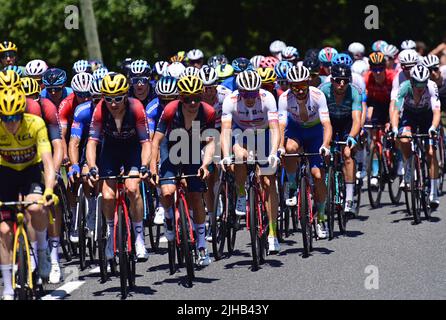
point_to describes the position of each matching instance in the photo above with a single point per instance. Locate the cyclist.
(175, 69)
(35, 69)
(224, 71)
(391, 54)
(433, 64)
(196, 58)
(419, 104)
(378, 45)
(314, 66)
(239, 65)
(180, 115)
(326, 56)
(408, 45)
(276, 48)
(255, 61)
(305, 124)
(120, 124)
(159, 70)
(9, 78)
(82, 66)
(24, 149)
(357, 50)
(268, 77)
(141, 89)
(54, 81)
(8, 53)
(253, 110)
(344, 105)
(290, 54)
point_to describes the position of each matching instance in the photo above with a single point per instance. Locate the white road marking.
(64, 290)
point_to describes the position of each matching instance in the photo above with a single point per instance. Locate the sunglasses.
(210, 88)
(249, 94)
(407, 67)
(139, 80)
(117, 99)
(190, 99)
(282, 82)
(340, 80)
(434, 69)
(298, 87)
(195, 61)
(13, 118)
(419, 85)
(83, 95)
(10, 54)
(54, 89)
(380, 69)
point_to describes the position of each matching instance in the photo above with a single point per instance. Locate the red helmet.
(268, 62)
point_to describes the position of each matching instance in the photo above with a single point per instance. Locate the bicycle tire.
(374, 193)
(132, 261)
(281, 229)
(330, 204)
(304, 219)
(253, 229)
(342, 217)
(22, 272)
(415, 188)
(262, 238)
(65, 244)
(186, 246)
(81, 217)
(102, 241)
(171, 250)
(395, 180)
(425, 190)
(122, 253)
(233, 220)
(154, 229)
(218, 226)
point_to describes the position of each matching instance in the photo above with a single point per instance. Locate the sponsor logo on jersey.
(19, 156)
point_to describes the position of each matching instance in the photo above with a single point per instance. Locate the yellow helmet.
(12, 101)
(224, 71)
(30, 86)
(267, 75)
(179, 57)
(7, 46)
(190, 85)
(114, 84)
(9, 78)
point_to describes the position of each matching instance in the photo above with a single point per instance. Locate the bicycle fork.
(21, 231)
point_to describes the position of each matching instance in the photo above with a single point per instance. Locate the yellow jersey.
(23, 149)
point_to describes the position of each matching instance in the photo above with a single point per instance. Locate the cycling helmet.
(224, 71)
(378, 45)
(54, 77)
(30, 86)
(255, 61)
(408, 44)
(35, 68)
(298, 74)
(342, 58)
(241, 64)
(95, 88)
(408, 57)
(208, 75)
(95, 64)
(12, 101)
(420, 73)
(390, 51)
(312, 64)
(213, 61)
(359, 67)
(277, 46)
(9, 78)
(195, 54)
(175, 69)
(125, 65)
(160, 68)
(377, 59)
(248, 80)
(341, 71)
(356, 48)
(282, 68)
(267, 75)
(166, 86)
(268, 62)
(290, 54)
(312, 53)
(177, 58)
(140, 68)
(81, 82)
(190, 71)
(100, 73)
(190, 85)
(326, 55)
(6, 46)
(430, 61)
(16, 69)
(114, 84)
(81, 66)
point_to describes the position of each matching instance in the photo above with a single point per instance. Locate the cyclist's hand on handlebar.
(394, 133)
(66, 162)
(351, 142)
(203, 172)
(273, 160)
(154, 179)
(226, 161)
(93, 174)
(387, 127)
(74, 172)
(144, 172)
(281, 152)
(50, 198)
(432, 132)
(324, 151)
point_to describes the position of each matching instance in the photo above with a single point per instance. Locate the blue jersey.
(230, 83)
(66, 92)
(153, 112)
(82, 120)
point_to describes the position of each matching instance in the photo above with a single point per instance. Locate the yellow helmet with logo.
(7, 46)
(30, 86)
(12, 101)
(190, 85)
(9, 78)
(114, 84)
(267, 75)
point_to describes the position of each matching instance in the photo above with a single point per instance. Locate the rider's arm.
(64, 110)
(155, 147)
(273, 122)
(143, 135)
(226, 126)
(283, 119)
(435, 104)
(324, 116)
(44, 149)
(95, 136)
(356, 113)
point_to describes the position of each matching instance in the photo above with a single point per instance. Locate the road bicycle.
(150, 201)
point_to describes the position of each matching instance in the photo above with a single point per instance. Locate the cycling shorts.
(115, 156)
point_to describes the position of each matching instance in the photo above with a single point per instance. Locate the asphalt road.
(382, 256)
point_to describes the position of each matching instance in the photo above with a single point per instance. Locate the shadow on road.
(182, 281)
(137, 290)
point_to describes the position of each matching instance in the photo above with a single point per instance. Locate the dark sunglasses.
(434, 69)
(83, 95)
(190, 99)
(378, 69)
(340, 80)
(298, 87)
(195, 61)
(419, 85)
(282, 82)
(139, 80)
(117, 99)
(210, 88)
(13, 118)
(9, 54)
(249, 94)
(54, 89)
(407, 67)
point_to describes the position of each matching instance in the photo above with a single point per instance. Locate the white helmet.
(81, 82)
(298, 74)
(420, 73)
(256, 61)
(356, 48)
(408, 44)
(95, 88)
(359, 67)
(81, 66)
(390, 51)
(408, 57)
(277, 46)
(166, 86)
(248, 80)
(190, 71)
(140, 68)
(195, 54)
(100, 73)
(161, 67)
(175, 69)
(208, 75)
(430, 61)
(290, 53)
(35, 68)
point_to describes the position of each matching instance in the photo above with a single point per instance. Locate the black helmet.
(341, 71)
(313, 64)
(312, 53)
(125, 66)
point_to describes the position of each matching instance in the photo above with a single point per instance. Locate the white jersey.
(397, 81)
(222, 93)
(316, 104)
(255, 117)
(443, 71)
(357, 80)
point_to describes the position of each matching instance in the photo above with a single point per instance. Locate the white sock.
(434, 186)
(42, 243)
(138, 231)
(54, 241)
(350, 188)
(7, 279)
(34, 256)
(201, 233)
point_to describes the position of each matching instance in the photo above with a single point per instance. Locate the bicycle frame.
(260, 199)
(20, 231)
(180, 195)
(120, 187)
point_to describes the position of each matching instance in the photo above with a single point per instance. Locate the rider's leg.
(6, 257)
(349, 174)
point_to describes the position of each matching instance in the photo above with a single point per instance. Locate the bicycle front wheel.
(330, 204)
(304, 216)
(253, 230)
(186, 242)
(415, 187)
(122, 254)
(374, 192)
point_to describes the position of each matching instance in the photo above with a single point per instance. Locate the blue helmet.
(166, 86)
(54, 77)
(241, 64)
(281, 69)
(379, 45)
(16, 69)
(342, 58)
(326, 56)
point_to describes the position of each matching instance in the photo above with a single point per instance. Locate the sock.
(241, 192)
(138, 231)
(350, 187)
(201, 232)
(321, 211)
(272, 228)
(42, 243)
(34, 257)
(91, 203)
(168, 213)
(434, 186)
(291, 180)
(7, 279)
(375, 167)
(111, 225)
(54, 241)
